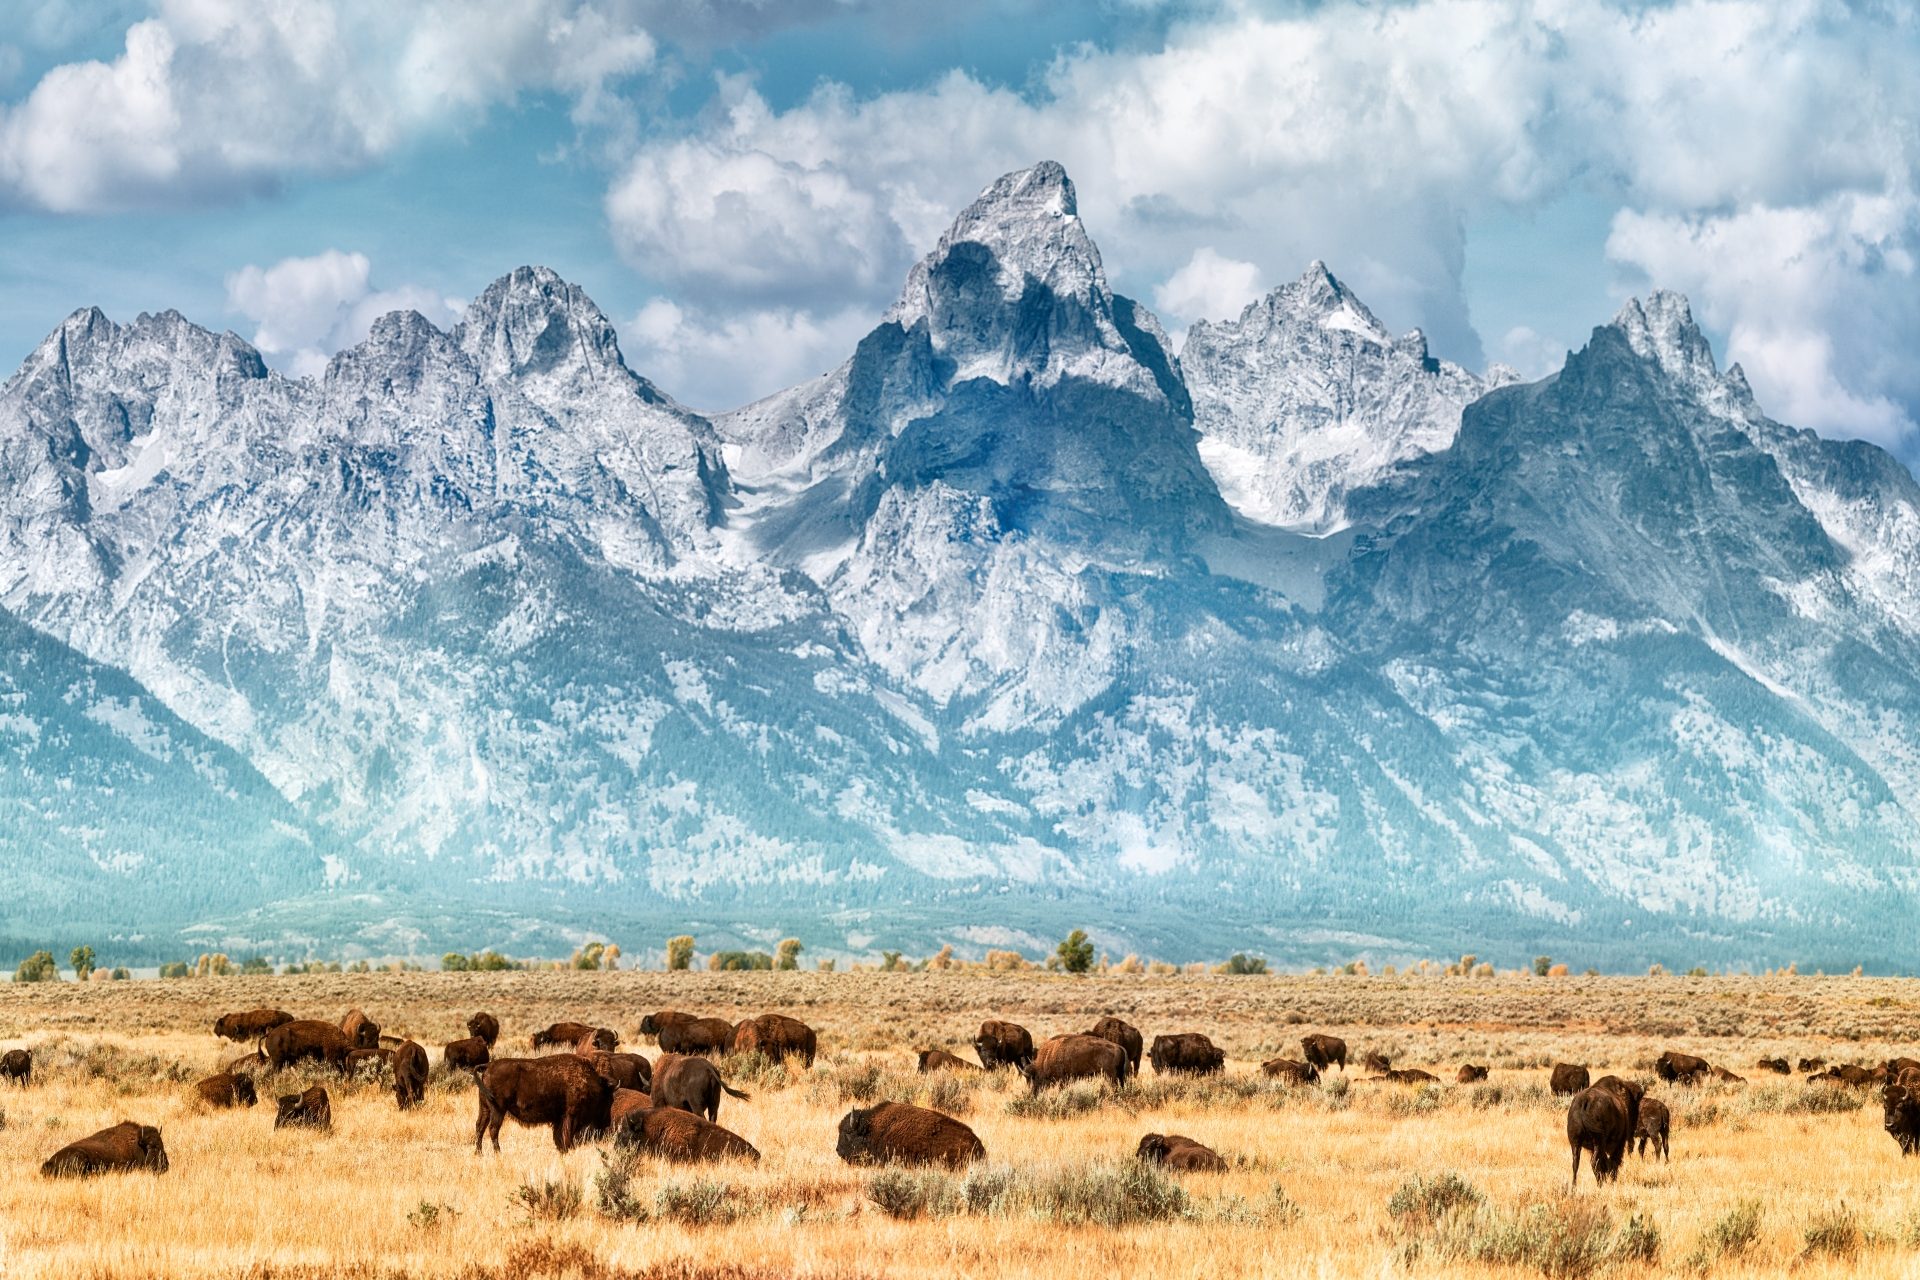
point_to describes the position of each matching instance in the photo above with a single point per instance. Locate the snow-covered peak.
(1662, 329)
(531, 322)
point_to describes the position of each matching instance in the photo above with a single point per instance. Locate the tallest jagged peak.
(532, 321)
(1662, 329)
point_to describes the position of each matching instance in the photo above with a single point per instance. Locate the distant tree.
(80, 960)
(1239, 965)
(739, 961)
(1005, 960)
(825, 966)
(176, 969)
(38, 967)
(491, 961)
(1542, 965)
(787, 954)
(1075, 952)
(1558, 971)
(121, 974)
(890, 962)
(255, 966)
(454, 962)
(942, 960)
(360, 966)
(610, 958)
(213, 964)
(588, 957)
(680, 952)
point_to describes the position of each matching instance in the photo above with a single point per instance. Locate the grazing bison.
(124, 1146)
(1810, 1065)
(297, 1041)
(1324, 1051)
(1003, 1044)
(1469, 1073)
(622, 1070)
(564, 1035)
(366, 1062)
(1186, 1053)
(900, 1133)
(309, 1110)
(1076, 1057)
(1124, 1034)
(679, 1135)
(1681, 1068)
(561, 1091)
(1290, 1071)
(1377, 1061)
(776, 1036)
(1568, 1078)
(227, 1090)
(485, 1027)
(469, 1054)
(1183, 1155)
(1601, 1120)
(1655, 1126)
(363, 1031)
(625, 1103)
(1725, 1076)
(251, 1025)
(1778, 1066)
(409, 1075)
(652, 1023)
(1902, 1106)
(690, 1083)
(17, 1065)
(941, 1060)
(696, 1035)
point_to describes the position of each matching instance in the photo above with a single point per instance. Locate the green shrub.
(38, 967)
(694, 1204)
(1423, 1201)
(1075, 952)
(549, 1200)
(907, 1193)
(1729, 1237)
(1108, 1195)
(1833, 1233)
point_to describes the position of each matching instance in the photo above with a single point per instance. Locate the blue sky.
(741, 184)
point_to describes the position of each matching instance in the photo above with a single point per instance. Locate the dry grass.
(1322, 1178)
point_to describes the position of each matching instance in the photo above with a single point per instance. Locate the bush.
(1423, 1201)
(1730, 1237)
(1239, 965)
(551, 1201)
(903, 1193)
(694, 1204)
(1834, 1233)
(255, 966)
(1639, 1241)
(1057, 1104)
(176, 969)
(38, 967)
(429, 1215)
(613, 1190)
(1108, 1195)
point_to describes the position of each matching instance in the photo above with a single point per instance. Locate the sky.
(742, 184)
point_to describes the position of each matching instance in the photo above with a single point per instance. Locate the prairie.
(1343, 1178)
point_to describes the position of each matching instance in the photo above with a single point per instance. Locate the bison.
(123, 1146)
(653, 1023)
(941, 1060)
(625, 1103)
(622, 1070)
(1725, 1076)
(1407, 1075)
(690, 1083)
(1568, 1078)
(776, 1036)
(900, 1133)
(1291, 1071)
(1324, 1051)
(562, 1091)
(1778, 1066)
(1846, 1073)
(17, 1065)
(695, 1036)
(363, 1031)
(1655, 1127)
(409, 1075)
(366, 1062)
(1183, 1155)
(1187, 1053)
(1004, 1044)
(1374, 1060)
(1076, 1057)
(1681, 1068)
(566, 1035)
(251, 1025)
(1897, 1067)
(1810, 1065)
(227, 1090)
(469, 1054)
(1469, 1073)
(1124, 1034)
(1902, 1106)
(297, 1041)
(485, 1027)
(1601, 1120)
(309, 1110)
(678, 1135)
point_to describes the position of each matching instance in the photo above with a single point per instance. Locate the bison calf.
(1655, 1127)
(1184, 1155)
(124, 1146)
(900, 1133)
(678, 1135)
(227, 1090)
(309, 1110)
(17, 1065)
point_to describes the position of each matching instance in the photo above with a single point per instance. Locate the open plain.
(1342, 1178)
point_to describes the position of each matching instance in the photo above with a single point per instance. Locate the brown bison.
(1124, 1034)
(1778, 1066)
(1568, 1079)
(1182, 1155)
(1897, 1067)
(1291, 1071)
(17, 1065)
(469, 1054)
(409, 1075)
(1601, 1120)
(1324, 1051)
(565, 1035)
(1186, 1053)
(363, 1031)
(1810, 1065)
(622, 1070)
(1076, 1057)
(245, 1063)
(1902, 1107)
(484, 1027)
(1407, 1075)
(625, 1103)
(297, 1041)
(775, 1036)
(1846, 1073)
(366, 1062)
(124, 1146)
(696, 1035)
(1469, 1073)
(561, 1091)
(941, 1060)
(678, 1135)
(900, 1133)
(1003, 1044)
(1909, 1078)
(653, 1023)
(250, 1025)
(1725, 1076)
(1655, 1126)
(309, 1110)
(1681, 1068)
(690, 1083)
(227, 1090)
(1374, 1060)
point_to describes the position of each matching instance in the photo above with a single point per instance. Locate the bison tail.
(741, 1094)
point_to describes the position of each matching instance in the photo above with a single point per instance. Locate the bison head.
(244, 1092)
(1899, 1101)
(650, 1025)
(1153, 1148)
(223, 1026)
(605, 1040)
(856, 1136)
(153, 1152)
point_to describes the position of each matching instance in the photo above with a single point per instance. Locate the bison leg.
(1576, 1163)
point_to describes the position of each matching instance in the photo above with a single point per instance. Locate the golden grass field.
(1317, 1173)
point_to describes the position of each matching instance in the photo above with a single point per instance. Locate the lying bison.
(576, 1035)
(251, 1025)
(1186, 1053)
(776, 1036)
(469, 1054)
(1778, 1066)
(1324, 1051)
(1655, 1126)
(561, 1091)
(1810, 1065)
(246, 1063)
(1374, 1060)
(1003, 1044)
(1180, 1154)
(940, 1060)
(309, 1110)
(1124, 1034)
(899, 1133)
(678, 1135)
(227, 1090)
(124, 1146)
(1681, 1068)
(625, 1103)
(1846, 1073)
(363, 1031)
(1902, 1107)
(409, 1075)
(485, 1027)
(1601, 1120)
(692, 1084)
(622, 1070)
(1406, 1075)
(1291, 1071)
(1568, 1079)
(300, 1040)
(17, 1065)
(1076, 1057)
(1469, 1073)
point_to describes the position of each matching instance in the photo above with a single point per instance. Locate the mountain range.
(1300, 641)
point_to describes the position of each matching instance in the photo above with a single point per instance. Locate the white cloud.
(725, 361)
(1533, 354)
(1209, 287)
(305, 309)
